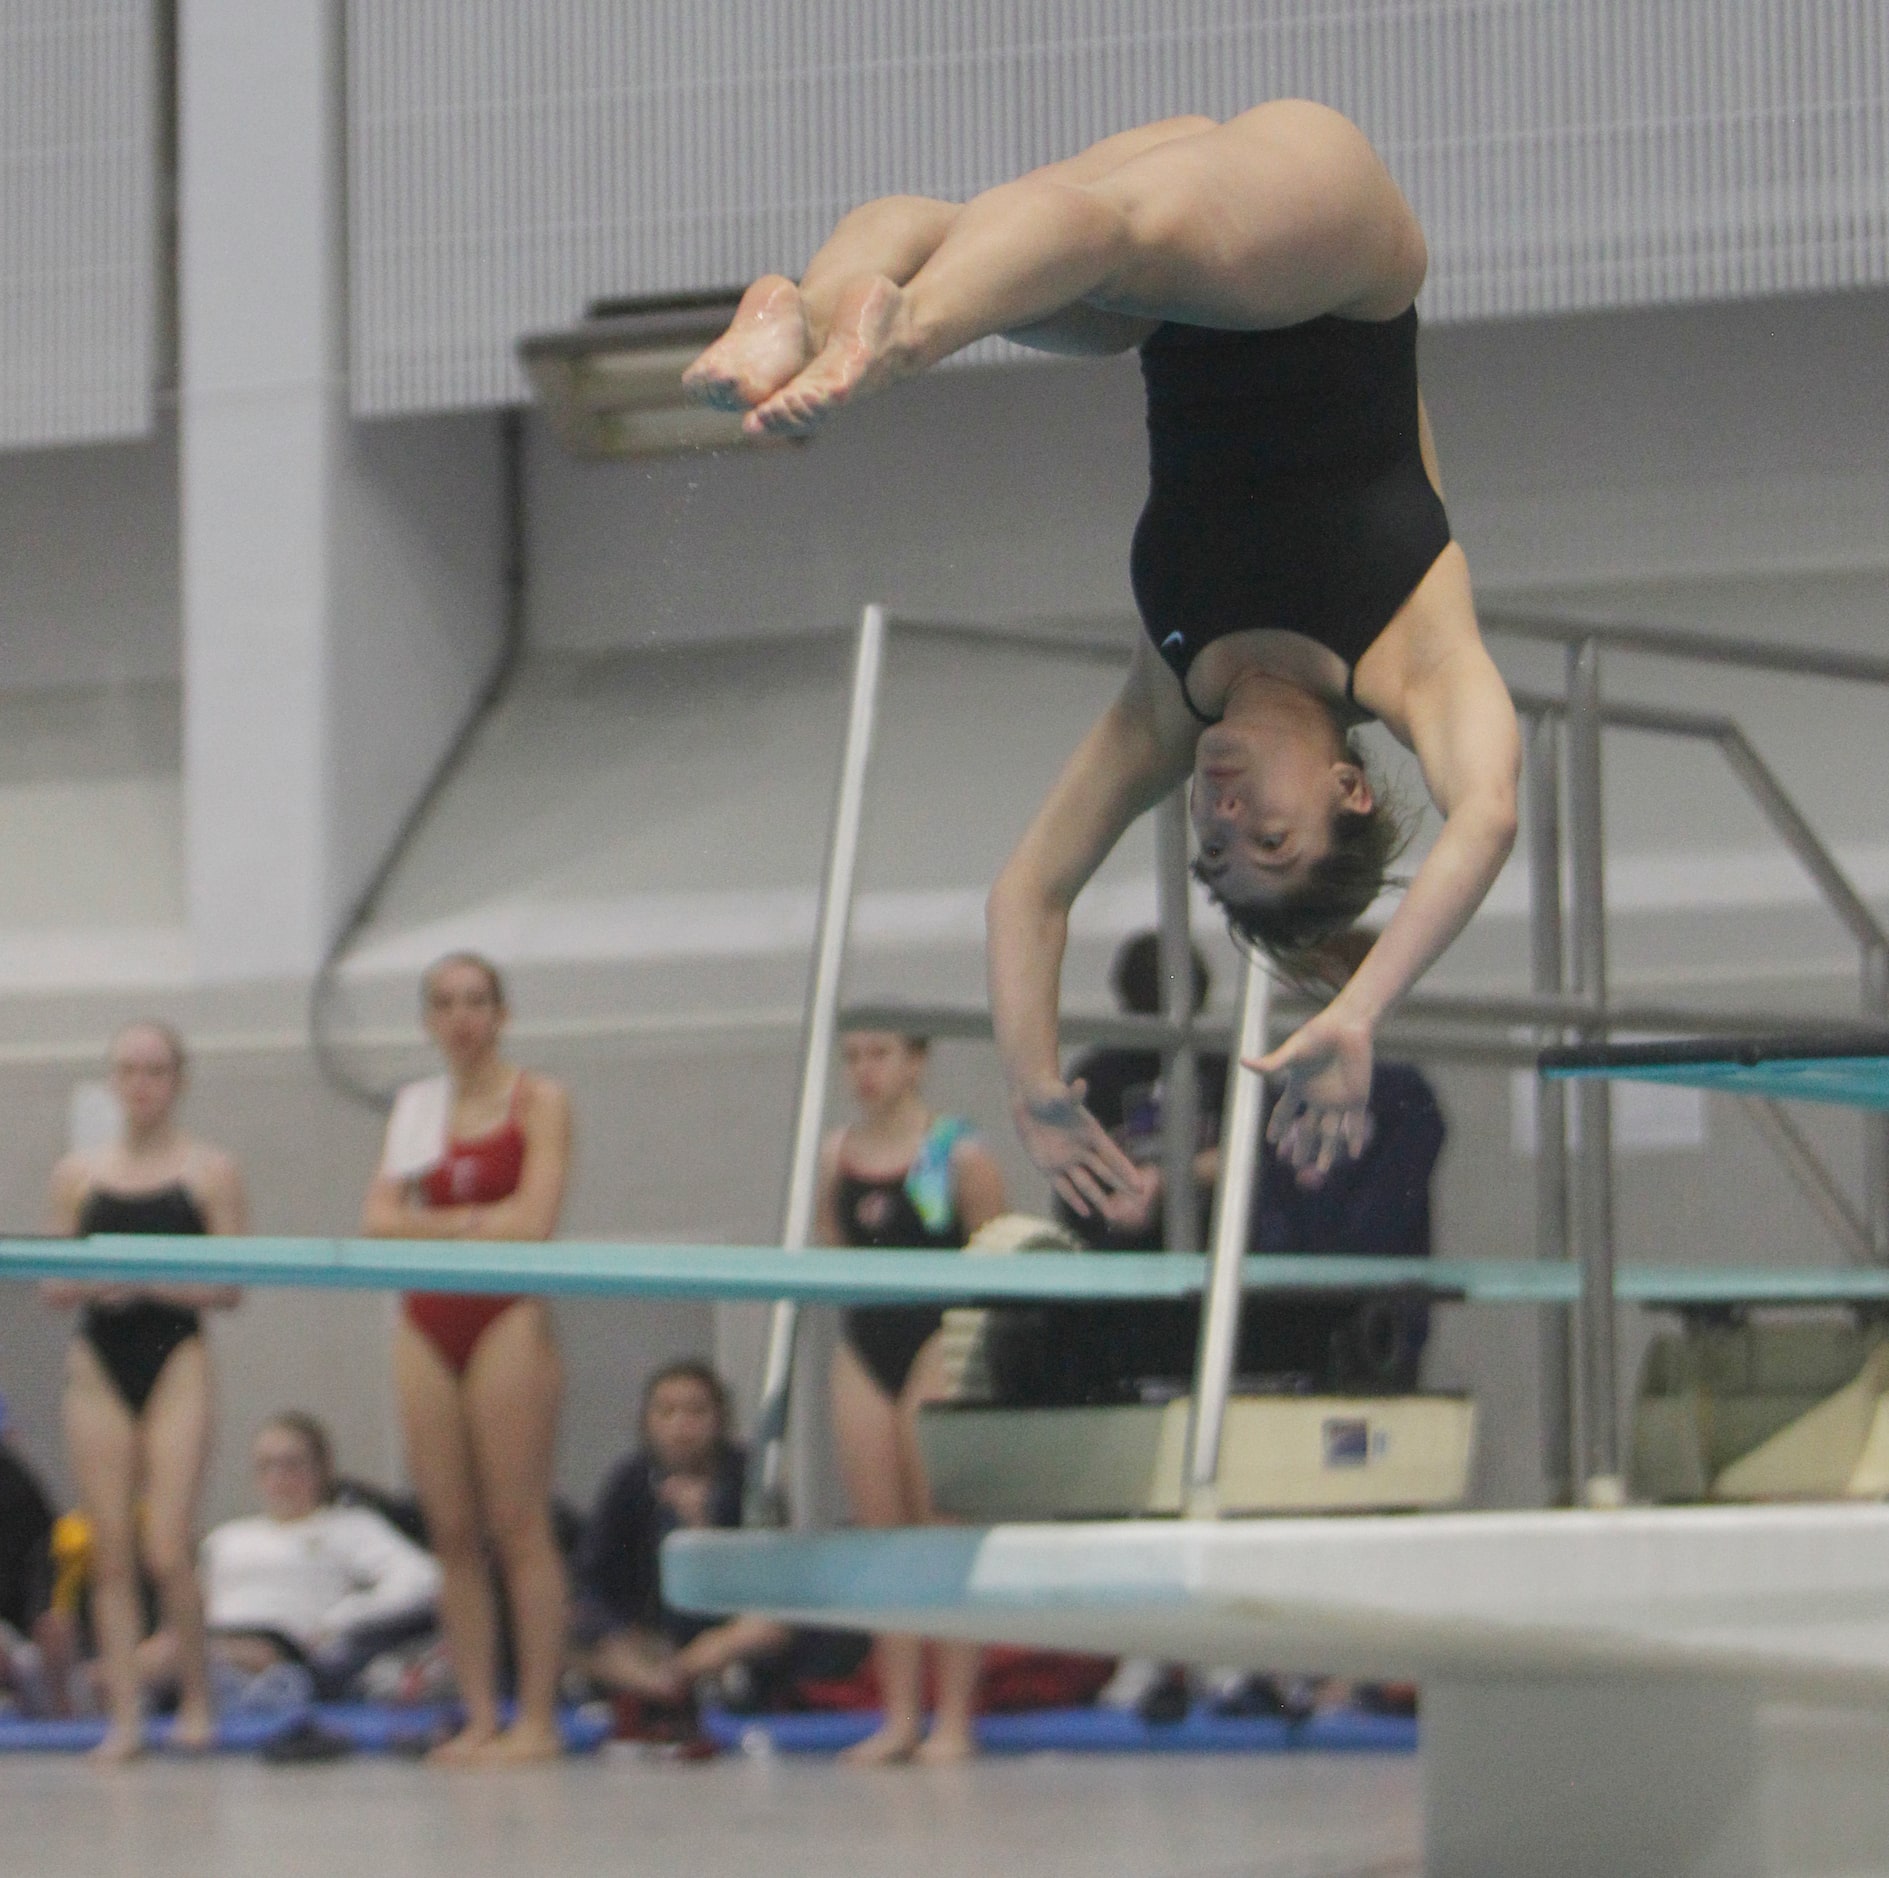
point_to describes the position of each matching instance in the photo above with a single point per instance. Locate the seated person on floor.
(35, 1641)
(299, 1598)
(686, 1473)
(1375, 1205)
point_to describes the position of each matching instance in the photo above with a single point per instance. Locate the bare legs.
(479, 1450)
(1015, 255)
(158, 1456)
(1279, 215)
(641, 1663)
(878, 1450)
(791, 360)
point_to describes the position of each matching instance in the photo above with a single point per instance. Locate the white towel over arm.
(416, 1130)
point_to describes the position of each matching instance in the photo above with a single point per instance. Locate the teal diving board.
(1848, 1068)
(735, 1274)
(559, 1268)
(763, 1274)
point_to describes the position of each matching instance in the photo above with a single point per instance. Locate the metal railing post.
(766, 1486)
(1234, 1194)
(1180, 1085)
(1548, 969)
(1593, 1160)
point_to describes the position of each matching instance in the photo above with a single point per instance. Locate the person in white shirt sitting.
(299, 1596)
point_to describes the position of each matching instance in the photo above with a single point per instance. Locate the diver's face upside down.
(1264, 799)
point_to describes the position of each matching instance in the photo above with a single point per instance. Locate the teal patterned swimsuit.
(918, 1211)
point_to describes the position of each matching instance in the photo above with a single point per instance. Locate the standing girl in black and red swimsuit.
(900, 1177)
(479, 1377)
(137, 1403)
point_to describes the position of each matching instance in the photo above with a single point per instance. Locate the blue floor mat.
(369, 1728)
(1092, 1731)
(375, 1730)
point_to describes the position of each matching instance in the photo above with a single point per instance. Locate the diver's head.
(1295, 835)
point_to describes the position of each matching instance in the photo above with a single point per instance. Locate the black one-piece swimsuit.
(879, 1213)
(1286, 486)
(134, 1341)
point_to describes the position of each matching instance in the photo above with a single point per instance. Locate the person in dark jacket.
(687, 1473)
(1374, 1204)
(26, 1519)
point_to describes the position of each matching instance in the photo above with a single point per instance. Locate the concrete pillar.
(342, 583)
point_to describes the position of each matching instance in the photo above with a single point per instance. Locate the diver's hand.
(1322, 1113)
(1079, 1157)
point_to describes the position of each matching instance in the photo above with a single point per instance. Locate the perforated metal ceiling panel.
(510, 162)
(78, 219)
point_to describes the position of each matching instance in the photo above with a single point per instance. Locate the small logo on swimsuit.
(1173, 642)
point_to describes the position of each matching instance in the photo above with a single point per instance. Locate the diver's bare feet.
(865, 350)
(889, 1747)
(469, 1746)
(766, 343)
(946, 1747)
(124, 1741)
(519, 1746)
(193, 1729)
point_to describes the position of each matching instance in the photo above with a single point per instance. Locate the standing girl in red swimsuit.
(479, 1377)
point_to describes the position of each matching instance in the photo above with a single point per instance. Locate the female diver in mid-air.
(1293, 565)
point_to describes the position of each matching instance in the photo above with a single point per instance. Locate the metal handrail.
(1234, 1194)
(1432, 1013)
(1116, 635)
(766, 1485)
(1668, 642)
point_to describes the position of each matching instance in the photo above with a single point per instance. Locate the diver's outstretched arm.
(1455, 712)
(1136, 753)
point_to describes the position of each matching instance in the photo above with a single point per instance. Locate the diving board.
(749, 1274)
(1591, 1680)
(564, 1268)
(1848, 1068)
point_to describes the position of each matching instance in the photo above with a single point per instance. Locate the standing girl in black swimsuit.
(900, 1177)
(1293, 566)
(137, 1402)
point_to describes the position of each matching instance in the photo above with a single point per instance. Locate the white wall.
(88, 565)
(1691, 443)
(1684, 442)
(341, 594)
(993, 493)
(418, 617)
(1717, 468)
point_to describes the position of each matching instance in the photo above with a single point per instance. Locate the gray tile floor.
(1298, 1816)
(1306, 1816)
